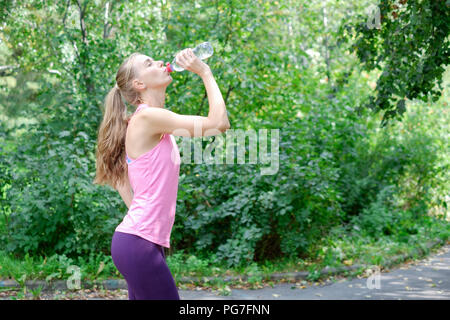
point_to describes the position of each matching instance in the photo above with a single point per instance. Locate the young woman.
(138, 156)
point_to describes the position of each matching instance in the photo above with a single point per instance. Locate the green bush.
(333, 170)
(54, 208)
(336, 167)
(380, 217)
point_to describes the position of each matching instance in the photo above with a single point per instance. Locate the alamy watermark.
(229, 146)
(374, 18)
(374, 280)
(74, 281)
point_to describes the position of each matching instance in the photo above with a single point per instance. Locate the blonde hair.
(111, 167)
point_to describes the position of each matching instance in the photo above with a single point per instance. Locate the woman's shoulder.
(139, 124)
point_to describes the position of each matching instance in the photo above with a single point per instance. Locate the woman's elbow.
(224, 127)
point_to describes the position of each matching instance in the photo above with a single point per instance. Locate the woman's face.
(151, 73)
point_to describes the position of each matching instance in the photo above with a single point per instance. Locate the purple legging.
(143, 265)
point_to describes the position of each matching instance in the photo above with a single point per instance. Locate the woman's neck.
(154, 98)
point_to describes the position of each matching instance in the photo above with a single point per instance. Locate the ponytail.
(111, 166)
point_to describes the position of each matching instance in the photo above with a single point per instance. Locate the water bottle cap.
(169, 67)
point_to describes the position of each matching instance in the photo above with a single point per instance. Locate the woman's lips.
(168, 68)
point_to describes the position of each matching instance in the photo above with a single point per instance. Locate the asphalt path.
(422, 279)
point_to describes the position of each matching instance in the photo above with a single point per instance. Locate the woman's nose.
(161, 63)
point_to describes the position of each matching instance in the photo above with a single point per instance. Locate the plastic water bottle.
(202, 51)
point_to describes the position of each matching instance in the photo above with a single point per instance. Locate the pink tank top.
(154, 180)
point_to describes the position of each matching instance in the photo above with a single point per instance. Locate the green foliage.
(380, 217)
(64, 213)
(278, 68)
(408, 40)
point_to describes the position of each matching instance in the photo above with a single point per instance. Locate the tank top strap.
(140, 107)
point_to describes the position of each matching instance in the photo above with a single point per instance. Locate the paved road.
(424, 279)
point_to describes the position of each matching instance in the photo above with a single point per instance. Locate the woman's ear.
(138, 84)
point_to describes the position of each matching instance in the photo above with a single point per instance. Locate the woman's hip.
(133, 249)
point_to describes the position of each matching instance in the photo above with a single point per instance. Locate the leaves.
(278, 65)
(411, 49)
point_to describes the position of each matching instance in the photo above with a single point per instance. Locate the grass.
(344, 246)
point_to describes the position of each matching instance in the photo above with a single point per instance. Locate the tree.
(408, 41)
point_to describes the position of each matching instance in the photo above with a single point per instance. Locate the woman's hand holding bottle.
(189, 61)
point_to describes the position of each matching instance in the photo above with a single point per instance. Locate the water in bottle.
(202, 51)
